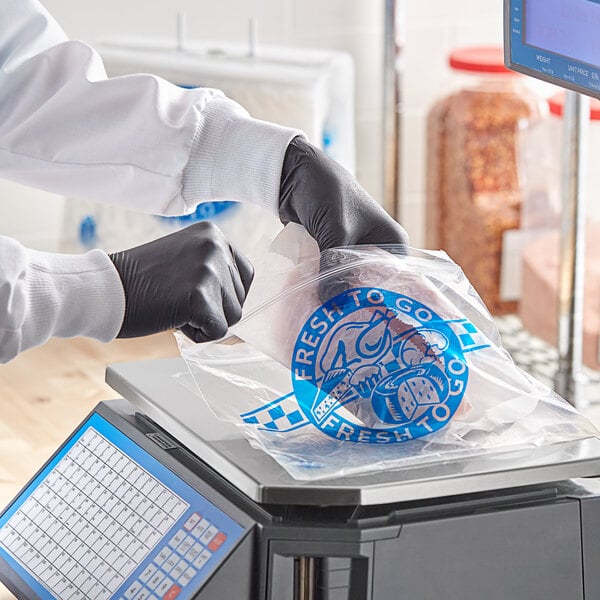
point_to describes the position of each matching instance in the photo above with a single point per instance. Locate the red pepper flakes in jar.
(473, 192)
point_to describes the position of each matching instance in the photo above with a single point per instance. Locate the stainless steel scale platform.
(153, 389)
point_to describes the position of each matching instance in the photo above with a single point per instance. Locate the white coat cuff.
(235, 157)
(73, 295)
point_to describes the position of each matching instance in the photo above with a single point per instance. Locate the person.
(141, 142)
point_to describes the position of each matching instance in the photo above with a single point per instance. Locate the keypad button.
(194, 552)
(172, 593)
(177, 539)
(187, 576)
(148, 572)
(170, 562)
(155, 580)
(200, 528)
(187, 543)
(217, 541)
(178, 570)
(192, 522)
(202, 559)
(160, 558)
(208, 535)
(164, 585)
(133, 589)
(152, 538)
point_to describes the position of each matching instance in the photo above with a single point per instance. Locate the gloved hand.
(193, 280)
(321, 195)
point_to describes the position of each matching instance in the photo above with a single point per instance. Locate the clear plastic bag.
(367, 358)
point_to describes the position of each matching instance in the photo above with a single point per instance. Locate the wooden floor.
(46, 392)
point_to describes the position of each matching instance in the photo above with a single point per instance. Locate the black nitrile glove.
(193, 280)
(321, 195)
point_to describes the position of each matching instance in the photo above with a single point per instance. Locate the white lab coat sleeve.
(45, 295)
(136, 140)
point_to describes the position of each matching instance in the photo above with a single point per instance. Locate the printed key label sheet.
(106, 520)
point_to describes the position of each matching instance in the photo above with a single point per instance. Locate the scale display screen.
(104, 519)
(555, 40)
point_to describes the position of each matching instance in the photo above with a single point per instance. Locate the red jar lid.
(480, 59)
(557, 104)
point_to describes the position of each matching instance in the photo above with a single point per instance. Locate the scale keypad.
(90, 523)
(178, 561)
(106, 520)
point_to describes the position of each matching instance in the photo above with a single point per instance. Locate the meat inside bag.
(371, 357)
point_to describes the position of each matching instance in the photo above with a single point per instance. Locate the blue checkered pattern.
(281, 415)
(470, 337)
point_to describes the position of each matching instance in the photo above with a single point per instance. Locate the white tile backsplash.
(475, 32)
(436, 11)
(425, 60)
(433, 29)
(228, 20)
(31, 216)
(412, 217)
(369, 153)
(366, 49)
(333, 16)
(413, 144)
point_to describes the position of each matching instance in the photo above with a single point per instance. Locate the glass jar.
(473, 189)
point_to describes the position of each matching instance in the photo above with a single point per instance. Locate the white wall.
(30, 216)
(355, 26)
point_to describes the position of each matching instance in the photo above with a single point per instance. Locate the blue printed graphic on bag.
(374, 366)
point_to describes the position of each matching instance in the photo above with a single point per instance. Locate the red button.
(217, 542)
(172, 593)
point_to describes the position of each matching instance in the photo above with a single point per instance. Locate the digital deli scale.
(154, 498)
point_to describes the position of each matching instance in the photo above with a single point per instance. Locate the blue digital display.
(555, 40)
(567, 27)
(105, 520)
